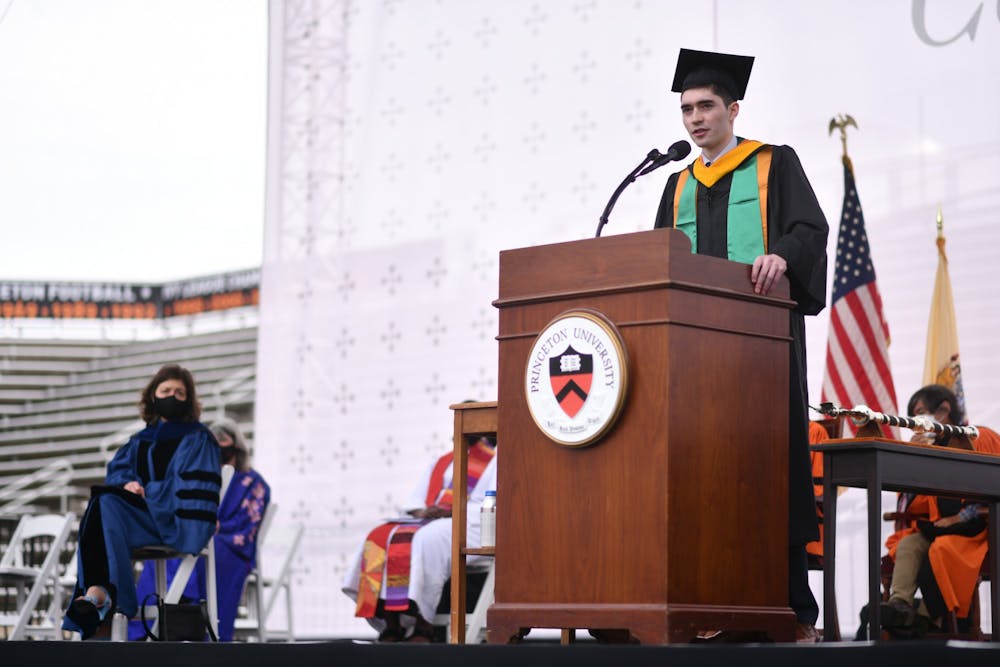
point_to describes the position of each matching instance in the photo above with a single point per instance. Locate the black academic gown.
(797, 231)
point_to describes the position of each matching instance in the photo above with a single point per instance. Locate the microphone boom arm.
(654, 160)
(650, 158)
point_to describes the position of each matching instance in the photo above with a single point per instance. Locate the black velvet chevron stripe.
(198, 494)
(198, 515)
(202, 476)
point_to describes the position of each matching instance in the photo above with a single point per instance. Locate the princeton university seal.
(576, 378)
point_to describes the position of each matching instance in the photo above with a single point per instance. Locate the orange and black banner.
(78, 300)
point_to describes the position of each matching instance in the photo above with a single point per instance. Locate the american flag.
(857, 350)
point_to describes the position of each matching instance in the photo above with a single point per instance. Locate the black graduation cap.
(703, 68)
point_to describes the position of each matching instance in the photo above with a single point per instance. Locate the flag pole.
(940, 235)
(942, 363)
(840, 122)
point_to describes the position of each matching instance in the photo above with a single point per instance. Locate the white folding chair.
(31, 580)
(475, 621)
(265, 584)
(253, 592)
(160, 554)
(66, 583)
(475, 624)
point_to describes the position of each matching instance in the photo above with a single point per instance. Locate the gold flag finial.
(840, 122)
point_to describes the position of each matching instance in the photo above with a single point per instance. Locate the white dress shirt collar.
(709, 160)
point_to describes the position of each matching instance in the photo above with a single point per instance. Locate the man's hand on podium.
(766, 271)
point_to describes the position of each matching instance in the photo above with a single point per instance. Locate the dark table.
(878, 464)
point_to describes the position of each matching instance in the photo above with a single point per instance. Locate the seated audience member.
(240, 514)
(402, 566)
(943, 553)
(817, 434)
(162, 487)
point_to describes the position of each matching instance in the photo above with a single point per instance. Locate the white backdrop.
(411, 141)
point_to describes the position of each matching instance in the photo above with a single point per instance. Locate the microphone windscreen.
(679, 150)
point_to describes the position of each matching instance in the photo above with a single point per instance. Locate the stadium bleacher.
(65, 407)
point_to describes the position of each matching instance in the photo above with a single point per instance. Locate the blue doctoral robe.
(178, 465)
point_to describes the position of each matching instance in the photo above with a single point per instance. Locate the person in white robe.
(430, 564)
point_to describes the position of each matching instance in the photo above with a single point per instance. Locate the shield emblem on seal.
(571, 374)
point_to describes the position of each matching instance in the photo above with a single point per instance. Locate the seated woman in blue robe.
(161, 488)
(240, 514)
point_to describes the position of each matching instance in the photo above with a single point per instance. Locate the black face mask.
(170, 408)
(228, 454)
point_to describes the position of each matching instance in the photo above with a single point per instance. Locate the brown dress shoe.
(805, 633)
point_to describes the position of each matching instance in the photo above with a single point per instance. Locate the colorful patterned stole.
(389, 546)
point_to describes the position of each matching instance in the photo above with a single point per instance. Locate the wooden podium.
(675, 521)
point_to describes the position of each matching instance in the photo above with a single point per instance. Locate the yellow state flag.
(941, 362)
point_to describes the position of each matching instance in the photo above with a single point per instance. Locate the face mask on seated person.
(170, 408)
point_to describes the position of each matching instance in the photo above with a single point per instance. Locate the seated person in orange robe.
(942, 554)
(817, 434)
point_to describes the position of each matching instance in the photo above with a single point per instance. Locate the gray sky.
(132, 138)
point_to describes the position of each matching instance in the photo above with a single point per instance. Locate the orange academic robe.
(956, 559)
(924, 506)
(817, 434)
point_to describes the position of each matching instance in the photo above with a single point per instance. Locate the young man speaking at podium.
(750, 202)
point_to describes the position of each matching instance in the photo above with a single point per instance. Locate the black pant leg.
(800, 597)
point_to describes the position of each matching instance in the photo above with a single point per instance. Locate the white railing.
(50, 481)
(235, 387)
(118, 438)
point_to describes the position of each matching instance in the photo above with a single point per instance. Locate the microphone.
(654, 160)
(678, 151)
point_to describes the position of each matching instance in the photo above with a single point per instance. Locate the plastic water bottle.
(488, 520)
(119, 627)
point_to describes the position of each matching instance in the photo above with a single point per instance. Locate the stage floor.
(529, 654)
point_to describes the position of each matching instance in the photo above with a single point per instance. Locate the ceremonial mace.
(868, 421)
